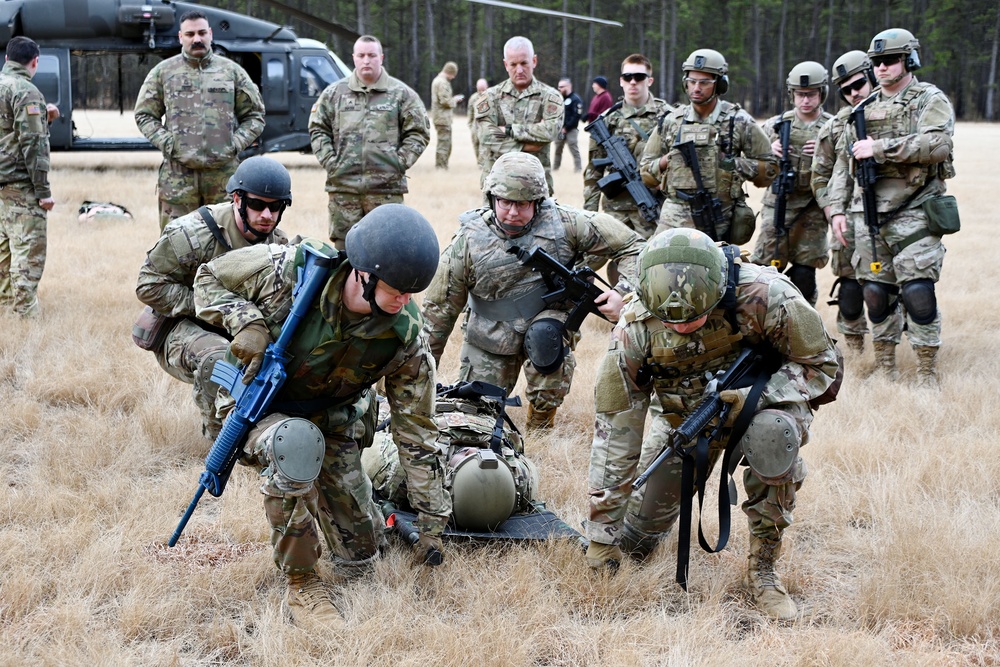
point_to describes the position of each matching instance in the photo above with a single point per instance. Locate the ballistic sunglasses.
(638, 77)
(886, 60)
(259, 205)
(853, 87)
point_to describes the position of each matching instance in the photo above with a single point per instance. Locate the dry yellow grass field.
(893, 555)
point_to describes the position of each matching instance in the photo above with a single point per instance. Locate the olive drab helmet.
(711, 61)
(395, 244)
(682, 275)
(897, 40)
(809, 75)
(517, 177)
(850, 64)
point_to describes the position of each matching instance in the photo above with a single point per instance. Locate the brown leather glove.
(248, 346)
(428, 550)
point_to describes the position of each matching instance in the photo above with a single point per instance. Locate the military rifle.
(565, 285)
(626, 170)
(706, 210)
(865, 174)
(253, 399)
(782, 187)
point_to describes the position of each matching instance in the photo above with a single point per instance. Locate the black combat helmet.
(264, 177)
(394, 244)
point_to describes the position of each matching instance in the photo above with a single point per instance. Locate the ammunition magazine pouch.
(151, 328)
(942, 215)
(744, 223)
(523, 307)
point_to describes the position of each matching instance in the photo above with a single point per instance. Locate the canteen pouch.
(744, 223)
(942, 215)
(150, 329)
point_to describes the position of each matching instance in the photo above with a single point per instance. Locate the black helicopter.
(290, 71)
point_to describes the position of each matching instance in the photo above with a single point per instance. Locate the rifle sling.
(694, 475)
(213, 227)
(525, 306)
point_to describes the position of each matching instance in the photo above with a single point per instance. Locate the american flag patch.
(33, 110)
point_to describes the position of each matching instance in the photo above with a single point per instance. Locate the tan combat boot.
(855, 342)
(765, 584)
(885, 359)
(540, 419)
(927, 366)
(310, 604)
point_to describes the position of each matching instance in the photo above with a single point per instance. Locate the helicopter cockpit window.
(47, 78)
(316, 74)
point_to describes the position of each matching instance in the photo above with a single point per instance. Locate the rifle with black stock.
(865, 175)
(706, 210)
(782, 186)
(253, 399)
(625, 174)
(575, 286)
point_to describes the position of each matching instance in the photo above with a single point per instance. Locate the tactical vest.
(711, 141)
(502, 282)
(801, 163)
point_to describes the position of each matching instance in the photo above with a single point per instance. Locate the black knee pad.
(804, 278)
(880, 299)
(850, 298)
(920, 300)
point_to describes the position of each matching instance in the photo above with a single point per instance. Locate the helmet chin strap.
(258, 235)
(896, 79)
(510, 230)
(368, 292)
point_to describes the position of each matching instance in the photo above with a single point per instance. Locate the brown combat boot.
(885, 359)
(540, 419)
(855, 342)
(927, 367)
(310, 604)
(765, 584)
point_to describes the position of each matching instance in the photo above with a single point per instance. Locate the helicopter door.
(53, 80)
(274, 82)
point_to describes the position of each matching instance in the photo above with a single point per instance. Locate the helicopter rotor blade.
(548, 12)
(315, 21)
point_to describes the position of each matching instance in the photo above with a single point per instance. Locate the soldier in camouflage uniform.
(635, 122)
(672, 334)
(504, 296)
(166, 280)
(731, 149)
(366, 130)
(362, 328)
(481, 86)
(910, 127)
(799, 246)
(24, 179)
(854, 77)
(200, 110)
(443, 104)
(520, 114)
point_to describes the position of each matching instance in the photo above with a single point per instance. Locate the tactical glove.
(604, 556)
(248, 346)
(736, 398)
(428, 550)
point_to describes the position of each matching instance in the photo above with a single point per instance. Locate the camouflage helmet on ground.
(896, 41)
(682, 275)
(262, 176)
(517, 177)
(850, 64)
(395, 244)
(712, 62)
(809, 75)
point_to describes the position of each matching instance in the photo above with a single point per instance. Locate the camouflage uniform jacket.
(24, 131)
(769, 310)
(442, 100)
(749, 152)
(826, 155)
(477, 267)
(534, 116)
(635, 125)
(802, 131)
(210, 110)
(473, 101)
(913, 148)
(366, 137)
(166, 279)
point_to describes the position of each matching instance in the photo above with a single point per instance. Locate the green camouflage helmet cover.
(682, 275)
(517, 177)
(809, 75)
(850, 64)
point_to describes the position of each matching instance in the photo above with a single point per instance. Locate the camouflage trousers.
(183, 190)
(571, 139)
(653, 509)
(23, 242)
(442, 149)
(347, 209)
(186, 348)
(542, 391)
(840, 264)
(475, 143)
(632, 219)
(803, 244)
(901, 263)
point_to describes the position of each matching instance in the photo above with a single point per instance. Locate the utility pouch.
(743, 225)
(150, 329)
(942, 215)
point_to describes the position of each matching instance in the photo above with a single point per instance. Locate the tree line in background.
(761, 40)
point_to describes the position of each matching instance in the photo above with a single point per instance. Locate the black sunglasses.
(886, 60)
(853, 87)
(638, 77)
(258, 205)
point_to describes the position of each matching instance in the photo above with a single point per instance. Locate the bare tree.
(991, 83)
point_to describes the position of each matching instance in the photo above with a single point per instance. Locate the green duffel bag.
(942, 215)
